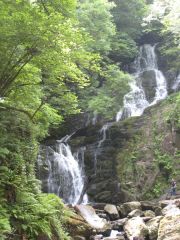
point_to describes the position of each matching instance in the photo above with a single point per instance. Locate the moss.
(147, 159)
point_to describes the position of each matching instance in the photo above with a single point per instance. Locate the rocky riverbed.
(136, 220)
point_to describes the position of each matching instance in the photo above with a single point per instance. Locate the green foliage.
(25, 212)
(157, 189)
(39, 214)
(109, 97)
(96, 19)
(128, 16)
(43, 58)
(173, 115)
(124, 48)
(163, 20)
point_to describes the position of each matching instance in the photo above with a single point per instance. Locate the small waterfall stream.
(136, 101)
(65, 171)
(103, 134)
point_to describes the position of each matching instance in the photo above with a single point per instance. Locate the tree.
(128, 16)
(95, 17)
(42, 52)
(109, 98)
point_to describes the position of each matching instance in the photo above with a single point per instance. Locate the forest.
(64, 62)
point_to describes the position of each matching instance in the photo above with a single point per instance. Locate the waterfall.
(103, 134)
(65, 171)
(146, 75)
(176, 85)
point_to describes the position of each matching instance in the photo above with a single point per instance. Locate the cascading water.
(136, 101)
(65, 172)
(176, 85)
(103, 134)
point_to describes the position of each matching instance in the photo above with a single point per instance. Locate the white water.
(135, 101)
(103, 134)
(66, 172)
(176, 84)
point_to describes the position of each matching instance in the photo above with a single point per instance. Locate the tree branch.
(4, 107)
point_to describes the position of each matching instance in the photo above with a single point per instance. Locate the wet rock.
(153, 226)
(135, 227)
(76, 226)
(135, 213)
(112, 211)
(118, 224)
(90, 216)
(126, 208)
(149, 213)
(148, 79)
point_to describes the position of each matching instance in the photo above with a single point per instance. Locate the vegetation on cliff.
(58, 57)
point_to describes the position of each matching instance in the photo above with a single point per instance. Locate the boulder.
(76, 226)
(169, 228)
(135, 213)
(126, 208)
(171, 210)
(148, 80)
(90, 216)
(118, 224)
(112, 211)
(153, 226)
(149, 213)
(148, 205)
(165, 203)
(135, 227)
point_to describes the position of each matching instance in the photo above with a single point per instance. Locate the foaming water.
(135, 102)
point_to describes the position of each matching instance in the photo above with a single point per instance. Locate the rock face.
(119, 162)
(148, 79)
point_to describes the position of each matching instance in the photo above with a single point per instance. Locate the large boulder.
(153, 226)
(171, 210)
(149, 205)
(128, 207)
(169, 228)
(135, 227)
(90, 216)
(112, 211)
(76, 226)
